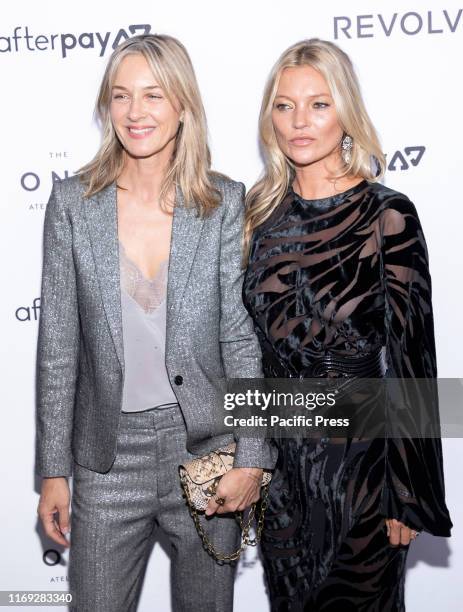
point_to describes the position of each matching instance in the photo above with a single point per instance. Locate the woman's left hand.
(239, 488)
(398, 533)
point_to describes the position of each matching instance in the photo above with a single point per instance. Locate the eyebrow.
(318, 95)
(147, 87)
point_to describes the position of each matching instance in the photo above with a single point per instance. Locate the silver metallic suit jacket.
(80, 360)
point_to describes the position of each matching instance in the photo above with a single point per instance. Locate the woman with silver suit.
(141, 313)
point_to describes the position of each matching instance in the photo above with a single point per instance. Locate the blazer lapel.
(186, 231)
(101, 218)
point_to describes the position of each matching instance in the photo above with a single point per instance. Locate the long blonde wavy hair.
(190, 167)
(367, 158)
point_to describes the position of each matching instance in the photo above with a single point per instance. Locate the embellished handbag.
(200, 479)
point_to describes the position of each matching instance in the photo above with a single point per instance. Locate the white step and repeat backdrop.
(52, 54)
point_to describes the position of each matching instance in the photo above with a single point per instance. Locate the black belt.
(371, 365)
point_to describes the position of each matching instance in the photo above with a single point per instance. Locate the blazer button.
(178, 380)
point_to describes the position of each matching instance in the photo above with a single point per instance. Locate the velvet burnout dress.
(345, 276)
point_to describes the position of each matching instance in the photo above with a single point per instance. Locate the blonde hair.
(190, 167)
(336, 67)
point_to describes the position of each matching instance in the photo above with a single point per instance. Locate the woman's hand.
(240, 487)
(55, 498)
(398, 533)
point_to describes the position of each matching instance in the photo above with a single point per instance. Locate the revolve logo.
(22, 40)
(409, 23)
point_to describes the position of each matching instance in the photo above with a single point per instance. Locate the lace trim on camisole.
(148, 293)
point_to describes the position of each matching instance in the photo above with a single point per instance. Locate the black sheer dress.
(346, 275)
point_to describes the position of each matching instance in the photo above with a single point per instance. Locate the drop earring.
(346, 148)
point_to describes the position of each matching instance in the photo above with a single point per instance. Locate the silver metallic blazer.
(80, 360)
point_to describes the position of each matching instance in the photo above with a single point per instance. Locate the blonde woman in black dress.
(338, 281)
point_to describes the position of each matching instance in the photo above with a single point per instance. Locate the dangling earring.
(346, 148)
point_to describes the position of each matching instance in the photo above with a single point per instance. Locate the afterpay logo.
(23, 41)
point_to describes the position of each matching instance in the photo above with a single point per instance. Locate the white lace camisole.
(146, 383)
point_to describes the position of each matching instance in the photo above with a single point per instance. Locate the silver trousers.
(114, 517)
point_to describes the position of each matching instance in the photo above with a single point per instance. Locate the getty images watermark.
(346, 407)
(263, 401)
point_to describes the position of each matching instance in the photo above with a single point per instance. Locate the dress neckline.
(330, 200)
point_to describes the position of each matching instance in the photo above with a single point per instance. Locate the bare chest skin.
(145, 232)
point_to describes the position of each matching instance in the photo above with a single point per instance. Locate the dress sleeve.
(413, 491)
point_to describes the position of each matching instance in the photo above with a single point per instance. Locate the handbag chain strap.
(246, 540)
